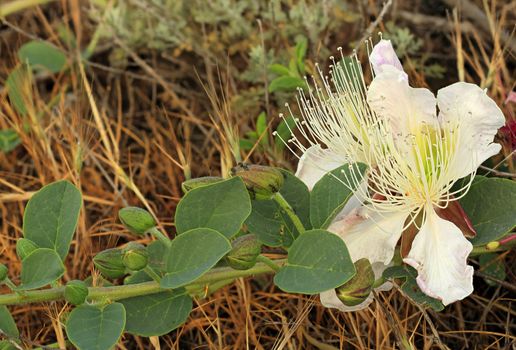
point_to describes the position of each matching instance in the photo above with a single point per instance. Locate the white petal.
(367, 235)
(370, 235)
(353, 203)
(406, 108)
(383, 54)
(315, 163)
(439, 253)
(329, 298)
(477, 118)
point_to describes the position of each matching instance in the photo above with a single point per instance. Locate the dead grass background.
(130, 136)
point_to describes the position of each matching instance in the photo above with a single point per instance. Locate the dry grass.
(129, 137)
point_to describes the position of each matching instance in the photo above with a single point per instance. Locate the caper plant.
(379, 197)
(223, 227)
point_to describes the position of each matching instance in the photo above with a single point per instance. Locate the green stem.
(268, 262)
(282, 202)
(486, 249)
(90, 50)
(133, 290)
(10, 284)
(51, 346)
(212, 288)
(150, 271)
(159, 235)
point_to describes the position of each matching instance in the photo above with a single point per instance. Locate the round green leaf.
(51, 216)
(157, 314)
(40, 268)
(96, 328)
(317, 261)
(286, 83)
(491, 207)
(222, 206)
(192, 254)
(157, 251)
(7, 325)
(40, 54)
(331, 193)
(267, 223)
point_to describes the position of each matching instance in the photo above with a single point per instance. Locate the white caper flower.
(415, 157)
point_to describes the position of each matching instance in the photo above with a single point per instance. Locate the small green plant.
(222, 229)
(260, 139)
(36, 57)
(290, 77)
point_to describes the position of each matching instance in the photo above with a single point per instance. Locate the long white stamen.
(407, 170)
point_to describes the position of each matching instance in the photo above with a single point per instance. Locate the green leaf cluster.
(259, 138)
(214, 222)
(291, 77)
(49, 223)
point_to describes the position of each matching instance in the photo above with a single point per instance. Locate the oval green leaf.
(331, 193)
(156, 314)
(491, 207)
(96, 328)
(40, 54)
(222, 206)
(317, 261)
(51, 216)
(40, 268)
(267, 223)
(286, 83)
(192, 254)
(19, 86)
(7, 324)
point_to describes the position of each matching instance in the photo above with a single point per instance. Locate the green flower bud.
(356, 290)
(3, 272)
(76, 292)
(136, 220)
(135, 257)
(244, 252)
(189, 185)
(24, 247)
(110, 263)
(262, 182)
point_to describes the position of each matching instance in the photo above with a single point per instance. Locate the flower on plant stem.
(415, 157)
